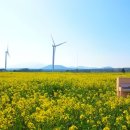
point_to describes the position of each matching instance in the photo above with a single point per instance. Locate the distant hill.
(61, 68)
(64, 68)
(57, 67)
(107, 67)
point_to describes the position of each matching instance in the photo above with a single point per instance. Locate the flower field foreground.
(62, 101)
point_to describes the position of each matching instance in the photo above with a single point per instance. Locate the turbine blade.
(60, 44)
(53, 40)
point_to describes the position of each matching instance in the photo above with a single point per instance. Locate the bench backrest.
(123, 82)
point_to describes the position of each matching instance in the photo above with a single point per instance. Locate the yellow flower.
(58, 128)
(37, 109)
(82, 117)
(119, 119)
(31, 125)
(106, 128)
(4, 98)
(73, 127)
(105, 120)
(124, 127)
(125, 112)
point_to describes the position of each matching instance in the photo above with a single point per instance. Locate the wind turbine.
(54, 50)
(6, 54)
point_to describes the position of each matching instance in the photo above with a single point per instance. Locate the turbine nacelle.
(7, 52)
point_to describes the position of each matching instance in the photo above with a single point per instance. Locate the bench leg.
(118, 93)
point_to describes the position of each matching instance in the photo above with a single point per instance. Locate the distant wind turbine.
(6, 54)
(54, 50)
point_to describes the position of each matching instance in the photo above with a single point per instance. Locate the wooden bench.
(123, 86)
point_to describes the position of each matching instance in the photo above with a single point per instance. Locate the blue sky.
(97, 32)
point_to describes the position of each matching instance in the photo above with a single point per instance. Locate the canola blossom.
(62, 101)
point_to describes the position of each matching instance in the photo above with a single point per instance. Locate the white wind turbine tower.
(6, 54)
(54, 50)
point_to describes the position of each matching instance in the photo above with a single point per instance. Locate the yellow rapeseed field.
(62, 101)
